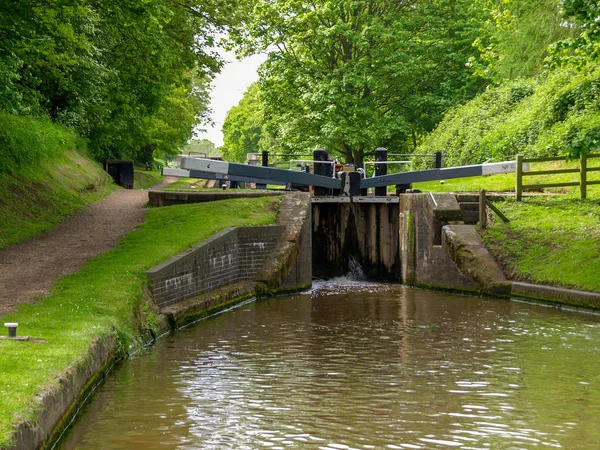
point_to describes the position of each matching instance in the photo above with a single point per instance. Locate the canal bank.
(102, 306)
(148, 318)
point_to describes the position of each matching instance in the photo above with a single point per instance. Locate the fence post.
(482, 210)
(519, 177)
(583, 175)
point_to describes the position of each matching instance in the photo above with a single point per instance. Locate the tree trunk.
(359, 156)
(348, 156)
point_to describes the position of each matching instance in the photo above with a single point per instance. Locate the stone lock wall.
(234, 255)
(425, 261)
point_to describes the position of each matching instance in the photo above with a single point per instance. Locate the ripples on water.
(360, 365)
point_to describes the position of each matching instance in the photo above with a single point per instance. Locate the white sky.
(228, 88)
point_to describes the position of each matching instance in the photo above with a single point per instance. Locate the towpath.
(28, 269)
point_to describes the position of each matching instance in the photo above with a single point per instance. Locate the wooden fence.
(583, 170)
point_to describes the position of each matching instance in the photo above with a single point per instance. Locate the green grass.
(495, 183)
(102, 298)
(144, 179)
(34, 200)
(552, 241)
(27, 142)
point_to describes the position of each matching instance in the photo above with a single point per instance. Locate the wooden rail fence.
(484, 203)
(583, 170)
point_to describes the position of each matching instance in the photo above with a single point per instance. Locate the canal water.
(364, 366)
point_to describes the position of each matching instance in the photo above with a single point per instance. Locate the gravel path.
(28, 269)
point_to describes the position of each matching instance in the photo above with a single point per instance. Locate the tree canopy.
(244, 129)
(555, 112)
(352, 75)
(132, 76)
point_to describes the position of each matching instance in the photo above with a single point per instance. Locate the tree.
(352, 75)
(132, 76)
(583, 49)
(201, 146)
(243, 128)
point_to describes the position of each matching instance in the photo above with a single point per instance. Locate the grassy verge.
(102, 298)
(554, 241)
(144, 179)
(27, 142)
(33, 200)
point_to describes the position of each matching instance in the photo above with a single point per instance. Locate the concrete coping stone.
(564, 295)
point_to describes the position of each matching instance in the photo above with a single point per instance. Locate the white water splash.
(355, 272)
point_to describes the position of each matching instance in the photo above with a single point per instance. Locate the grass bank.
(103, 299)
(35, 198)
(144, 179)
(553, 241)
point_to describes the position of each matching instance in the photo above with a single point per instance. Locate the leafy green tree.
(352, 75)
(132, 76)
(243, 128)
(584, 48)
(201, 146)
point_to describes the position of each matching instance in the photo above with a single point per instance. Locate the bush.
(554, 116)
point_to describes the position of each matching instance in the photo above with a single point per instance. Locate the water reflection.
(358, 365)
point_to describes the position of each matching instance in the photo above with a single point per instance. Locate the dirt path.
(28, 269)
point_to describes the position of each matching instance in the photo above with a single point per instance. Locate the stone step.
(470, 217)
(469, 206)
(467, 198)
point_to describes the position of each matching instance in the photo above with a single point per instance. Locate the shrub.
(554, 116)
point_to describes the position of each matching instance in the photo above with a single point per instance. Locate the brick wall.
(236, 254)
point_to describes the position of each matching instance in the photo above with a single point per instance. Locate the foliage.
(585, 47)
(243, 129)
(556, 115)
(100, 300)
(26, 143)
(515, 39)
(354, 75)
(200, 146)
(131, 76)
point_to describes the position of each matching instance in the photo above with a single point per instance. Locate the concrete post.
(381, 169)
